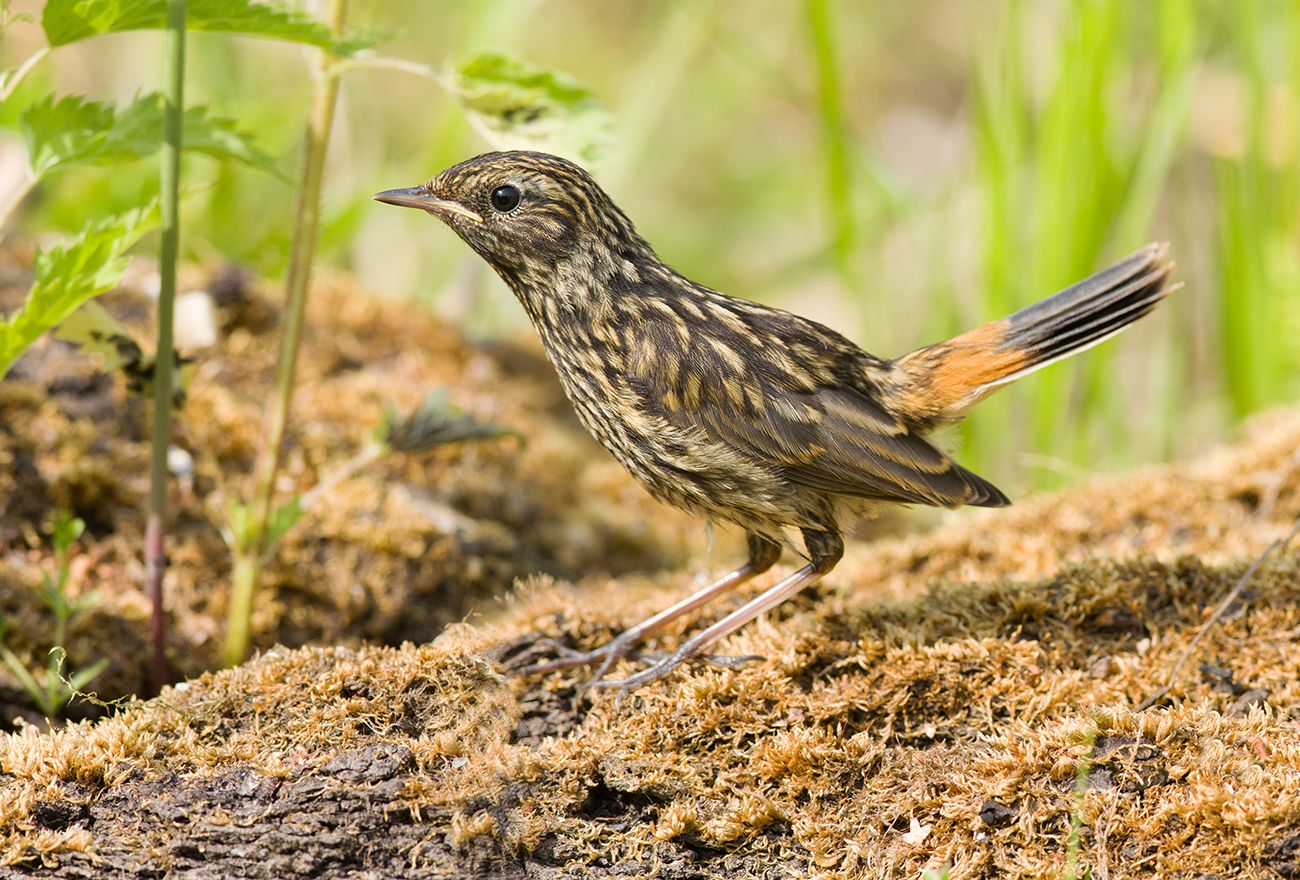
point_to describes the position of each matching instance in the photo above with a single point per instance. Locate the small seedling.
(55, 690)
(1074, 843)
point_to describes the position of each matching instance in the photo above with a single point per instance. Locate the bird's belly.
(681, 468)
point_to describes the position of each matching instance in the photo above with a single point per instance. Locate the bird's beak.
(416, 197)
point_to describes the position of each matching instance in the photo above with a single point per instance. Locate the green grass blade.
(836, 146)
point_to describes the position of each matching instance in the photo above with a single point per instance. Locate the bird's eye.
(505, 199)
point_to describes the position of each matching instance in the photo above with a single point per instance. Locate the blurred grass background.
(898, 171)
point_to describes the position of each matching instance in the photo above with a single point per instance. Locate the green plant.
(1258, 184)
(1065, 183)
(836, 143)
(52, 691)
(261, 527)
(511, 103)
(155, 551)
(1074, 842)
(70, 131)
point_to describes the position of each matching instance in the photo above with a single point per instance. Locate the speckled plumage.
(735, 410)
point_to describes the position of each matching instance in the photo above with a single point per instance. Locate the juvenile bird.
(739, 411)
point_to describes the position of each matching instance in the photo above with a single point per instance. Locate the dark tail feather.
(941, 382)
(1089, 312)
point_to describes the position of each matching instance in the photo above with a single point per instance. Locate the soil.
(955, 699)
(393, 554)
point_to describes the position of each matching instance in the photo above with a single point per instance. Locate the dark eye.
(505, 199)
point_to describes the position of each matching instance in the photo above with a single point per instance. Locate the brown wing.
(840, 440)
(765, 400)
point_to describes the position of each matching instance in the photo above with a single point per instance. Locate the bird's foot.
(603, 658)
(650, 674)
(662, 665)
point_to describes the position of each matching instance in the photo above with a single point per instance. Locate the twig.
(1233, 595)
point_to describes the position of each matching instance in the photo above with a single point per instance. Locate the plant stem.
(368, 61)
(249, 551)
(20, 192)
(154, 546)
(21, 73)
(1074, 843)
(835, 141)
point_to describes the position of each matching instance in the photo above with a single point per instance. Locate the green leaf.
(68, 275)
(516, 105)
(65, 529)
(72, 131)
(282, 519)
(240, 519)
(52, 596)
(24, 676)
(66, 21)
(85, 676)
(9, 19)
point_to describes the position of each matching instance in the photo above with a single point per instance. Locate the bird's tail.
(940, 382)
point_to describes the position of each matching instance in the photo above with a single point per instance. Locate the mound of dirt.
(962, 699)
(395, 553)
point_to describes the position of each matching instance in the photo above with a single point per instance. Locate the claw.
(644, 677)
(605, 656)
(664, 666)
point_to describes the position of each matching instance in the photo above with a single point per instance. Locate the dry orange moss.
(395, 553)
(941, 725)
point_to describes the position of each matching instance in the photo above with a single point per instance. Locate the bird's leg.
(763, 554)
(825, 550)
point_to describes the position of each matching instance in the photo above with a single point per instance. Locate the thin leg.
(825, 548)
(763, 554)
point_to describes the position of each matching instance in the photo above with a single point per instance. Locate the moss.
(395, 553)
(931, 707)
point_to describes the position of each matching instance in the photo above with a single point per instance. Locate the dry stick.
(1233, 595)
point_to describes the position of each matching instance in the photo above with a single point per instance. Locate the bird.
(738, 411)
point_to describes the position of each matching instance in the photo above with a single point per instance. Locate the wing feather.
(827, 435)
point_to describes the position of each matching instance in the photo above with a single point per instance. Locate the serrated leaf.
(516, 105)
(69, 274)
(72, 131)
(66, 21)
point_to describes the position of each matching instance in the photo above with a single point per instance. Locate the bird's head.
(528, 214)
